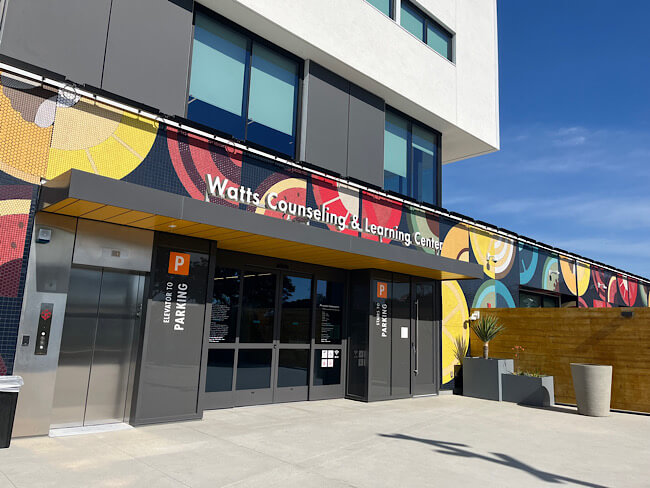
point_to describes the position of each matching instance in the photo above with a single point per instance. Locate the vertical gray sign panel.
(380, 340)
(171, 356)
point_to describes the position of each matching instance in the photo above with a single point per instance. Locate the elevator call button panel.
(43, 333)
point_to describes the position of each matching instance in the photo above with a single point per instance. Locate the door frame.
(434, 388)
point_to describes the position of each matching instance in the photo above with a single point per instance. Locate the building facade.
(239, 202)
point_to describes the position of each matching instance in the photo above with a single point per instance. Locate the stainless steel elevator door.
(96, 347)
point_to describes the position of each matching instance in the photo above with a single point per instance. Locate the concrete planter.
(528, 390)
(482, 377)
(592, 384)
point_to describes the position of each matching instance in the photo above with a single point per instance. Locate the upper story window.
(411, 159)
(385, 6)
(242, 86)
(426, 29)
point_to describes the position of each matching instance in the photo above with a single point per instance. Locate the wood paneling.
(555, 337)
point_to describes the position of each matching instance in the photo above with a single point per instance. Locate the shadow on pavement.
(461, 450)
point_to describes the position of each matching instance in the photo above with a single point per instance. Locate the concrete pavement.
(434, 441)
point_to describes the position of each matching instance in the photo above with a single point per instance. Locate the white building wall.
(356, 41)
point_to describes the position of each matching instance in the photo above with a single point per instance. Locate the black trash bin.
(9, 388)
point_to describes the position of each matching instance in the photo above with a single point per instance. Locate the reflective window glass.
(548, 301)
(274, 82)
(529, 300)
(412, 20)
(329, 314)
(258, 307)
(219, 58)
(219, 372)
(254, 369)
(295, 325)
(424, 165)
(242, 87)
(293, 367)
(327, 367)
(384, 5)
(439, 39)
(396, 153)
(225, 305)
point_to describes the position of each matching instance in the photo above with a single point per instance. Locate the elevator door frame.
(135, 339)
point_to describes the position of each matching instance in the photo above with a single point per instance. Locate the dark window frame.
(410, 181)
(541, 294)
(252, 38)
(428, 20)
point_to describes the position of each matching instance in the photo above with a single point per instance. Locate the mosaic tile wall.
(44, 132)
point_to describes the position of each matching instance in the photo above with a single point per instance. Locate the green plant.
(535, 373)
(486, 328)
(460, 348)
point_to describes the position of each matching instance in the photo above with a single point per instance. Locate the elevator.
(98, 347)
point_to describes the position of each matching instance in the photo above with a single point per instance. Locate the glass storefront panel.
(329, 312)
(296, 310)
(220, 369)
(254, 369)
(327, 367)
(293, 367)
(225, 305)
(258, 307)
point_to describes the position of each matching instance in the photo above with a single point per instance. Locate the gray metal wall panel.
(148, 52)
(366, 137)
(64, 36)
(326, 143)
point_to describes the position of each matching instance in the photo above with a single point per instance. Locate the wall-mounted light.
(601, 285)
(554, 273)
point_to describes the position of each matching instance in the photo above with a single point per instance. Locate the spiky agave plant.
(487, 328)
(460, 348)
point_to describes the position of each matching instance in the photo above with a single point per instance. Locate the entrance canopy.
(89, 196)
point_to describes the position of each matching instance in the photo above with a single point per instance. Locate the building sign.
(217, 186)
(381, 309)
(179, 263)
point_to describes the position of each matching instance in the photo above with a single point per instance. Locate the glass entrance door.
(294, 339)
(424, 342)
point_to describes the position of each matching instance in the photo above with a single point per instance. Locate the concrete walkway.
(445, 441)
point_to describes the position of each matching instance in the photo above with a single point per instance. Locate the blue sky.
(574, 166)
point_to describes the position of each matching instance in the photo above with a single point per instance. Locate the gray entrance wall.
(169, 371)
(381, 336)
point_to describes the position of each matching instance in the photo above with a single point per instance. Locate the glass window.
(220, 368)
(439, 39)
(273, 98)
(327, 367)
(426, 29)
(549, 301)
(293, 367)
(386, 6)
(295, 325)
(242, 87)
(258, 308)
(425, 165)
(254, 369)
(329, 316)
(396, 153)
(529, 300)
(410, 159)
(219, 58)
(412, 20)
(225, 304)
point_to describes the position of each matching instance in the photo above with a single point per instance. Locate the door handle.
(417, 327)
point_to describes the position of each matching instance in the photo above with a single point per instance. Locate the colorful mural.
(44, 132)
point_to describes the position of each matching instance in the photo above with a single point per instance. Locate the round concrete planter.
(592, 384)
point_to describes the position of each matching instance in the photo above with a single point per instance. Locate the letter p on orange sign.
(382, 289)
(179, 263)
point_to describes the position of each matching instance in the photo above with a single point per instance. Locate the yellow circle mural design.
(454, 325)
(99, 139)
(500, 249)
(456, 243)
